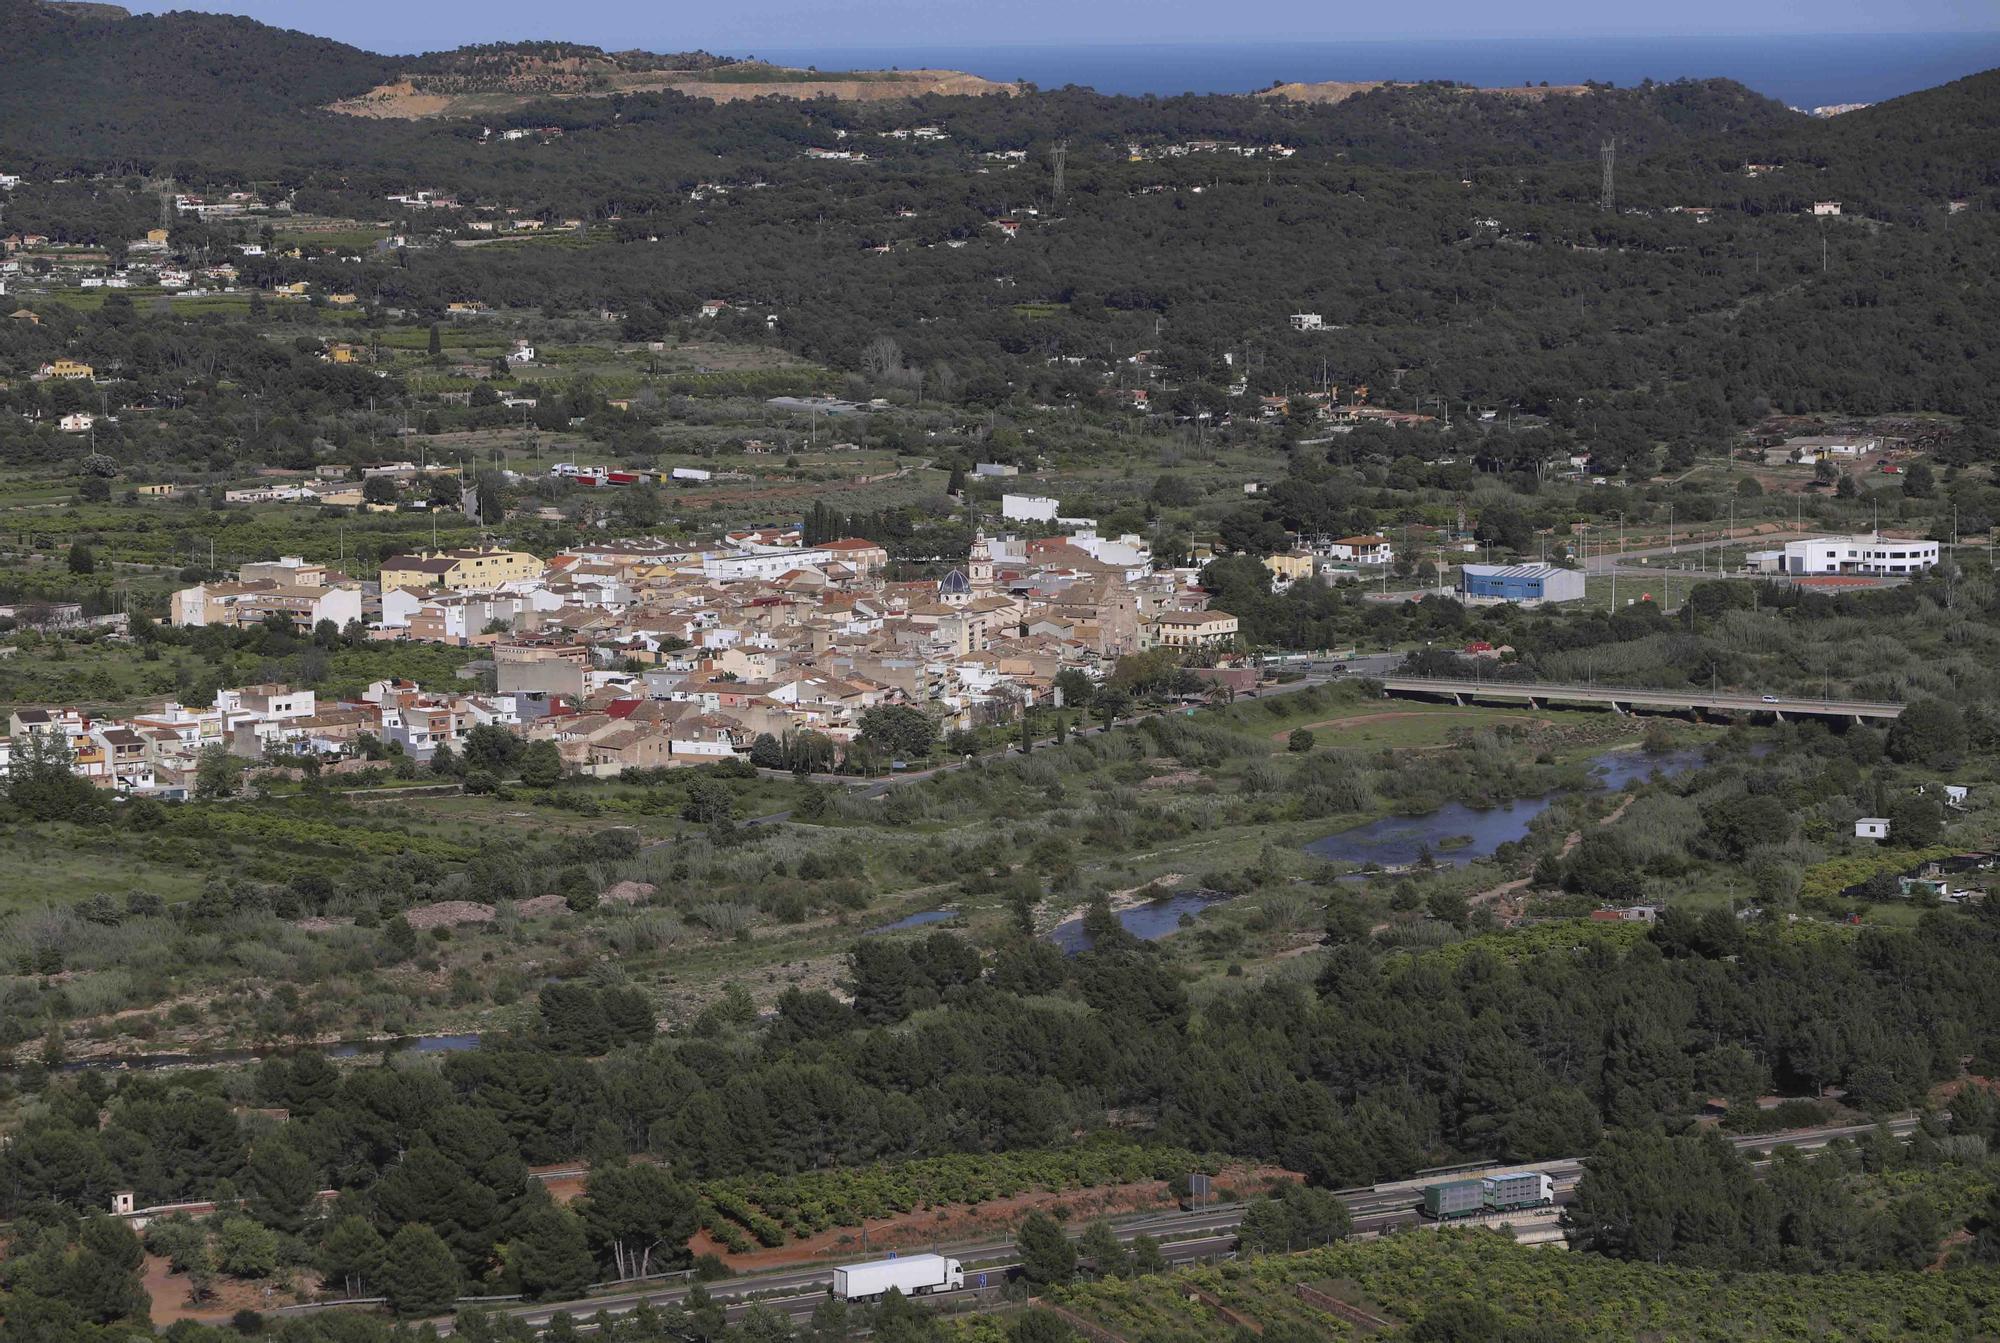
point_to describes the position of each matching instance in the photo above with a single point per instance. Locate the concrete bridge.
(1626, 699)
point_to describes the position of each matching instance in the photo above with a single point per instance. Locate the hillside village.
(641, 654)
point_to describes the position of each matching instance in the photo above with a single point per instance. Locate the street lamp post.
(1614, 563)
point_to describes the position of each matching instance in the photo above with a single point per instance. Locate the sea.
(1806, 72)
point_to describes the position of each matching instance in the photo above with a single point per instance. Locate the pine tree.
(1047, 1257)
(1100, 1246)
(351, 1256)
(103, 1281)
(638, 1217)
(419, 1276)
(551, 1256)
(282, 1182)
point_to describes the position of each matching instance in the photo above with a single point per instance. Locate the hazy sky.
(744, 25)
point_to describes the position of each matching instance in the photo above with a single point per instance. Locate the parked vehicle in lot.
(912, 1275)
(1489, 1193)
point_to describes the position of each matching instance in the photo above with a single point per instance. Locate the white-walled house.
(1129, 551)
(1871, 827)
(1362, 550)
(398, 605)
(270, 702)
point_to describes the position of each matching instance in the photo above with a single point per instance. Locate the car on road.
(1770, 699)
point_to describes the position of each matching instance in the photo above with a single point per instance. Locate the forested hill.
(211, 100)
(97, 83)
(147, 92)
(1423, 124)
(1944, 140)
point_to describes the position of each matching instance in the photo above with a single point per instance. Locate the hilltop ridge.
(483, 81)
(1338, 91)
(88, 9)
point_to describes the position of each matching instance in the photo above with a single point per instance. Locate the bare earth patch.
(402, 100)
(627, 892)
(541, 907)
(169, 1291)
(448, 914)
(321, 923)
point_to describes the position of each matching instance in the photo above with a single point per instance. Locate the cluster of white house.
(157, 752)
(640, 653)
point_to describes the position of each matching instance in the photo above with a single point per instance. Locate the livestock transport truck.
(1492, 1193)
(912, 1275)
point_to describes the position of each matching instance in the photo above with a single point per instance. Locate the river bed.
(1456, 834)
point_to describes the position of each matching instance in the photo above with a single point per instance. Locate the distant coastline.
(1804, 72)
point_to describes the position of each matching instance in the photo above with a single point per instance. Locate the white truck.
(912, 1275)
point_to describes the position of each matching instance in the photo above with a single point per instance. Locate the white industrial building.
(1028, 508)
(1872, 554)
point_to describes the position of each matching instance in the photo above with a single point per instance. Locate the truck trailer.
(912, 1275)
(1518, 1189)
(1491, 1193)
(1454, 1198)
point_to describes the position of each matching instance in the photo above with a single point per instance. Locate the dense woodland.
(1666, 328)
(1381, 1067)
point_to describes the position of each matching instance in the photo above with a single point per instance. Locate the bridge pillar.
(1778, 714)
(1457, 699)
(1534, 703)
(1619, 709)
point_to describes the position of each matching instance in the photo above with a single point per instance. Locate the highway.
(1625, 698)
(1184, 1236)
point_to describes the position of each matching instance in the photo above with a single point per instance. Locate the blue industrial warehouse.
(1520, 583)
